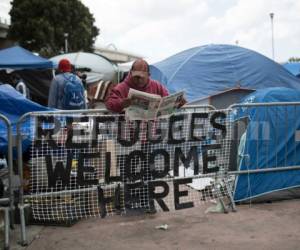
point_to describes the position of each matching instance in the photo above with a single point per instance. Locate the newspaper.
(145, 106)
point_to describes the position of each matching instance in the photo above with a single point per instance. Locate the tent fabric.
(98, 67)
(293, 67)
(271, 144)
(19, 58)
(13, 106)
(207, 70)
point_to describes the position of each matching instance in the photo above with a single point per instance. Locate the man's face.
(140, 74)
(140, 78)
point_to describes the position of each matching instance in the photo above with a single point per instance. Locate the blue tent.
(293, 67)
(19, 58)
(207, 70)
(34, 70)
(270, 141)
(13, 106)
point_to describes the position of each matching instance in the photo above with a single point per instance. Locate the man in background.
(66, 90)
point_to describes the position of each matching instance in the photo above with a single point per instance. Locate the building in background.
(4, 42)
(5, 6)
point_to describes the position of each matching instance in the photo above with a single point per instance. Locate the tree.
(294, 59)
(40, 25)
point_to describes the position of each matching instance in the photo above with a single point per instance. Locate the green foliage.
(39, 25)
(294, 59)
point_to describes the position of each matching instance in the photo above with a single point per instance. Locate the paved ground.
(260, 226)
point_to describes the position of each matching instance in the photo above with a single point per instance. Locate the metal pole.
(264, 170)
(66, 42)
(6, 223)
(272, 27)
(197, 106)
(21, 189)
(23, 225)
(9, 164)
(258, 104)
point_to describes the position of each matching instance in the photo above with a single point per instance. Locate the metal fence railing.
(93, 163)
(266, 139)
(85, 163)
(7, 203)
(24, 140)
(197, 108)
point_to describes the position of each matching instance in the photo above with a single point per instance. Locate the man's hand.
(126, 102)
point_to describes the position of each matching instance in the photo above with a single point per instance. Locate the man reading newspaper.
(118, 100)
(139, 79)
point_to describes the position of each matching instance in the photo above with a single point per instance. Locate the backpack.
(73, 94)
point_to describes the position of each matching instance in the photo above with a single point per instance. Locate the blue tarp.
(207, 70)
(19, 58)
(270, 142)
(293, 67)
(13, 105)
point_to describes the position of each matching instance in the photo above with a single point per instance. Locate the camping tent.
(34, 70)
(96, 67)
(293, 67)
(13, 106)
(207, 70)
(270, 142)
(19, 58)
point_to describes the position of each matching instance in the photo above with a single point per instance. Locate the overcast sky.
(157, 29)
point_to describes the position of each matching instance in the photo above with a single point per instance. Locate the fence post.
(8, 211)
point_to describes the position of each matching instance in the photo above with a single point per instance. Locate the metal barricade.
(7, 203)
(23, 132)
(265, 142)
(197, 108)
(85, 163)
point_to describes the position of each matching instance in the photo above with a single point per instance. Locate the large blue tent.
(19, 58)
(207, 70)
(270, 142)
(293, 67)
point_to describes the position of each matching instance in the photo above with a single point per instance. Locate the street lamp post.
(66, 42)
(272, 27)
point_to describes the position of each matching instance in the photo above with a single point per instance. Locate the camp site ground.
(257, 226)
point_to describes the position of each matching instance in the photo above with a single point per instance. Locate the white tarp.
(99, 68)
